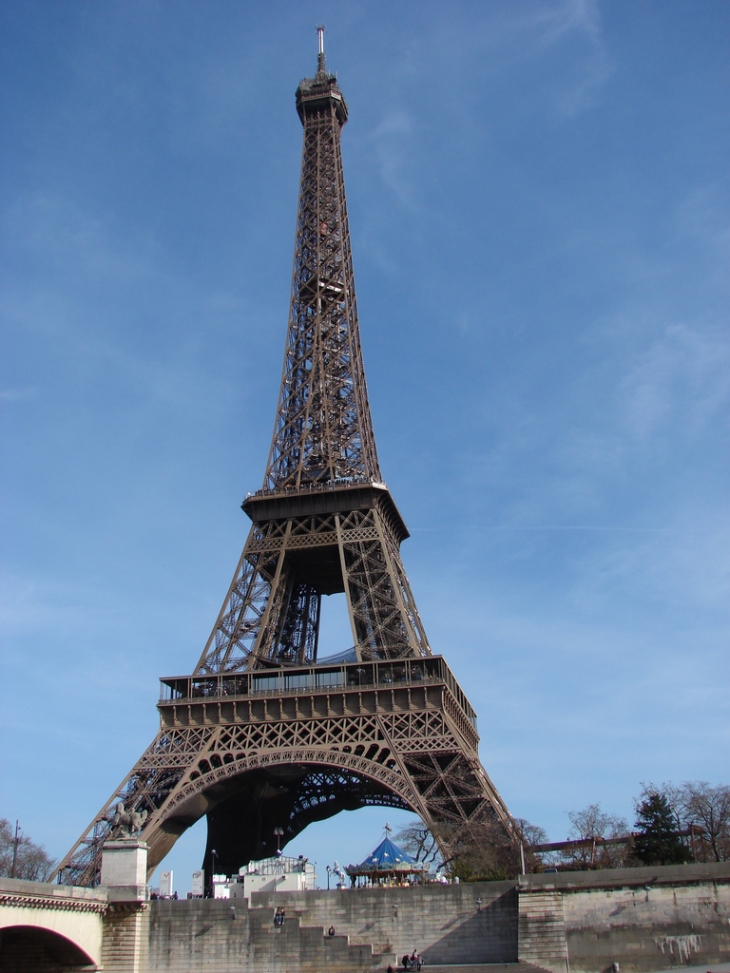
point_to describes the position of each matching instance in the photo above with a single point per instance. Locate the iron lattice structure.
(264, 735)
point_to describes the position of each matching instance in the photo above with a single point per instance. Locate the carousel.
(388, 865)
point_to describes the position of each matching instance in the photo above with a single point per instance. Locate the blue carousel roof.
(387, 855)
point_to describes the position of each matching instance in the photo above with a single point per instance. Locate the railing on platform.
(316, 678)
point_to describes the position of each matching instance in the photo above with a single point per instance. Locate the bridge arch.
(44, 927)
(34, 949)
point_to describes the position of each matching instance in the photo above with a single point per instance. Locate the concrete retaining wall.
(445, 923)
(580, 922)
(372, 929)
(215, 936)
(642, 918)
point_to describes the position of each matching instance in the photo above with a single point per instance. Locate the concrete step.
(309, 946)
(481, 968)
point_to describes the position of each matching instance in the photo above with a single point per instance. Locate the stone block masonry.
(216, 936)
(447, 924)
(642, 918)
(580, 922)
(542, 938)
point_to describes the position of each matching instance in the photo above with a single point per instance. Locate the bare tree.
(487, 852)
(31, 860)
(532, 834)
(483, 852)
(420, 843)
(702, 816)
(705, 810)
(592, 822)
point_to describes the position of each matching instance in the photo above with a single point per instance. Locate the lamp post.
(279, 832)
(213, 856)
(16, 842)
(329, 872)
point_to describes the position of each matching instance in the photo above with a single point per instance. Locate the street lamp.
(16, 842)
(210, 888)
(329, 872)
(279, 832)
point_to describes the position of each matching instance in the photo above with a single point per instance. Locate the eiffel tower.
(265, 737)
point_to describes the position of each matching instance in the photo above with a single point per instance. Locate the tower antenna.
(320, 49)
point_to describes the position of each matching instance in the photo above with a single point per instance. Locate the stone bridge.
(42, 924)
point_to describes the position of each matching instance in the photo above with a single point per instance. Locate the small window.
(330, 677)
(264, 684)
(298, 680)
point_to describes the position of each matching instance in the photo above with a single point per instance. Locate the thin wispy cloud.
(392, 143)
(679, 383)
(18, 395)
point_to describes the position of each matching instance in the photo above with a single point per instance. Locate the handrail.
(303, 690)
(338, 483)
(348, 677)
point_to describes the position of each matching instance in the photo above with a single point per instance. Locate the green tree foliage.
(657, 841)
(32, 861)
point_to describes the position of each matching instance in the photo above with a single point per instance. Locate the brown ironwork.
(265, 735)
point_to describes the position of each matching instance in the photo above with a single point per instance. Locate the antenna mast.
(320, 50)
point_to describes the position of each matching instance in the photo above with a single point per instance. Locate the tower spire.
(323, 430)
(321, 68)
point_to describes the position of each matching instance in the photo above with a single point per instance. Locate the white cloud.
(679, 384)
(392, 143)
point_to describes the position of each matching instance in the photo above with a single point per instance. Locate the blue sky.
(539, 209)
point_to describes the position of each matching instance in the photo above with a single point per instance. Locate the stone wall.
(581, 922)
(444, 923)
(216, 936)
(642, 918)
(372, 929)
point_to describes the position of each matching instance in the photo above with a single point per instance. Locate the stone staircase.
(451, 926)
(485, 968)
(307, 948)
